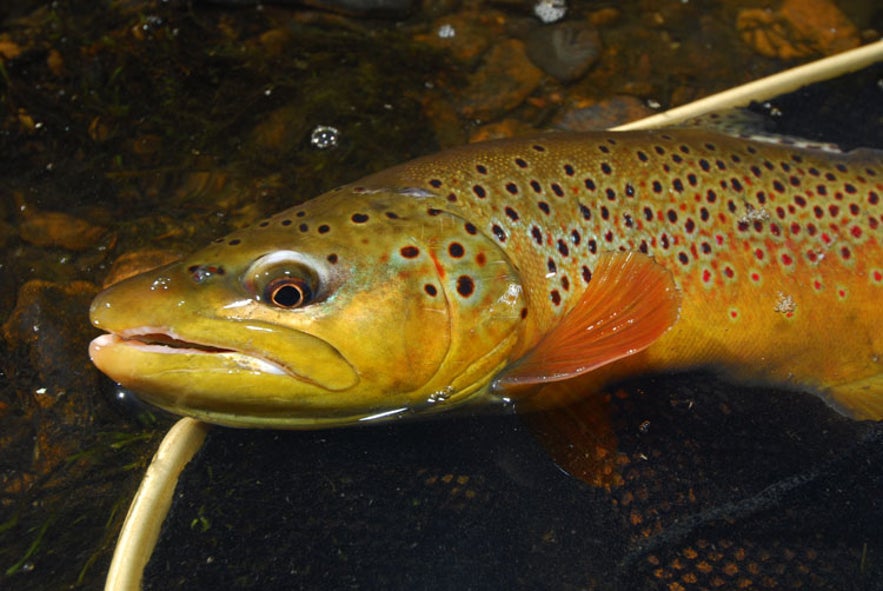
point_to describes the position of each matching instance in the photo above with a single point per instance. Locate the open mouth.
(154, 340)
(164, 340)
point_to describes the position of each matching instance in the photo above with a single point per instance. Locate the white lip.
(128, 338)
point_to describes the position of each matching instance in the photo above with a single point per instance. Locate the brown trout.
(479, 273)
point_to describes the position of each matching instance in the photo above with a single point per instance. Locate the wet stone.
(466, 36)
(133, 263)
(565, 50)
(799, 29)
(355, 7)
(586, 115)
(49, 331)
(504, 80)
(55, 228)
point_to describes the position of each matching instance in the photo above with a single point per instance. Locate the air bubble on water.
(324, 137)
(446, 31)
(550, 11)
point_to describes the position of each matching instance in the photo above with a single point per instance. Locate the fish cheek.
(393, 331)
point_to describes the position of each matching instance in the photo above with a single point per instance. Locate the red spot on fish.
(480, 259)
(439, 268)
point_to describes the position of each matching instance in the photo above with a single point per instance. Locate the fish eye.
(283, 280)
(288, 292)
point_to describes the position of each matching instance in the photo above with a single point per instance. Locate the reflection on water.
(136, 132)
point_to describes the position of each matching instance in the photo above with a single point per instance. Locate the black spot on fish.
(430, 289)
(456, 250)
(523, 313)
(538, 148)
(410, 252)
(285, 222)
(264, 224)
(568, 170)
(521, 163)
(512, 188)
(479, 191)
(585, 212)
(359, 218)
(433, 211)
(555, 297)
(587, 274)
(575, 237)
(678, 185)
(544, 207)
(481, 168)
(551, 266)
(535, 185)
(465, 285)
(704, 165)
(323, 229)
(234, 242)
(303, 227)
(332, 258)
(301, 214)
(392, 215)
(537, 235)
(629, 190)
(499, 233)
(611, 194)
(642, 156)
(590, 184)
(556, 188)
(562, 248)
(512, 214)
(605, 168)
(470, 228)
(657, 187)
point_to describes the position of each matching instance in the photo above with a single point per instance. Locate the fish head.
(357, 306)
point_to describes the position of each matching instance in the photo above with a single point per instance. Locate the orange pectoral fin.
(630, 302)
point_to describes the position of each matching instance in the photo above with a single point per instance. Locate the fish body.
(485, 271)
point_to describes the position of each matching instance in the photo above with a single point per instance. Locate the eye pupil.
(287, 296)
(288, 292)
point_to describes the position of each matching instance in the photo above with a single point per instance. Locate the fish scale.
(472, 274)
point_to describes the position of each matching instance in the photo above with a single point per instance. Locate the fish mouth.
(155, 340)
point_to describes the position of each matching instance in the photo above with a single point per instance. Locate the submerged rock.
(55, 228)
(566, 50)
(504, 80)
(800, 28)
(391, 7)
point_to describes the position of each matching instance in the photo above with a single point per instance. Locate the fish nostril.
(200, 273)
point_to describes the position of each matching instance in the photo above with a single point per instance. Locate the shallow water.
(153, 127)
